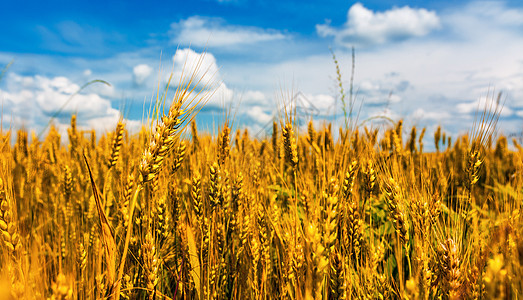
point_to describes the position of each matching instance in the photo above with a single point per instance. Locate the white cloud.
(140, 73)
(322, 102)
(383, 116)
(497, 11)
(254, 97)
(421, 114)
(108, 123)
(365, 27)
(259, 115)
(88, 72)
(379, 91)
(212, 32)
(33, 100)
(478, 18)
(221, 97)
(203, 69)
(51, 94)
(104, 90)
(490, 103)
(439, 77)
(188, 63)
(436, 77)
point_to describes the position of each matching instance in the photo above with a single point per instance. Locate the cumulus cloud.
(438, 78)
(421, 114)
(108, 123)
(213, 32)
(380, 91)
(477, 45)
(490, 102)
(380, 116)
(104, 90)
(221, 97)
(259, 115)
(140, 73)
(365, 27)
(203, 70)
(188, 62)
(254, 97)
(318, 103)
(32, 100)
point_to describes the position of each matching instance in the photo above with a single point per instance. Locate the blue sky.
(427, 62)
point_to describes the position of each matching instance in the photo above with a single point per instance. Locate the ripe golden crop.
(295, 215)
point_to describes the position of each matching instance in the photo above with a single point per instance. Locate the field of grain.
(173, 213)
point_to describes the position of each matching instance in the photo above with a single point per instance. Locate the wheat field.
(173, 213)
